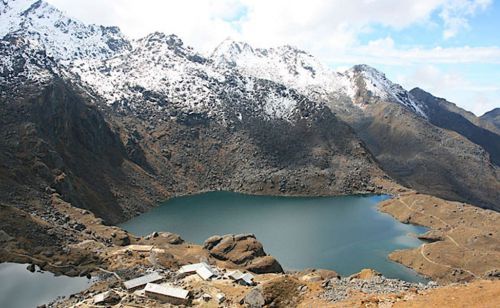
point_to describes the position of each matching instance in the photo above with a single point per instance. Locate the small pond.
(20, 288)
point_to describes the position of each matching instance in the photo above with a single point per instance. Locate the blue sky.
(448, 47)
(474, 85)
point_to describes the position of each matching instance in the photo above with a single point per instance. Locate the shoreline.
(461, 244)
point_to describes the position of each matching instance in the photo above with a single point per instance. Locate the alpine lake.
(345, 234)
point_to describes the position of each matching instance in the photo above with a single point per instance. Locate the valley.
(98, 129)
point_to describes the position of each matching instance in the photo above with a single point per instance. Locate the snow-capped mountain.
(25, 62)
(64, 38)
(160, 73)
(283, 110)
(155, 74)
(299, 70)
(286, 65)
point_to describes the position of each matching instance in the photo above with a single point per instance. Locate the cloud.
(477, 97)
(385, 51)
(455, 14)
(315, 25)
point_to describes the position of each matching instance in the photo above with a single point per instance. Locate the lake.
(345, 234)
(20, 288)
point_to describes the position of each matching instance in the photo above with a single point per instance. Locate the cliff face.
(57, 139)
(117, 165)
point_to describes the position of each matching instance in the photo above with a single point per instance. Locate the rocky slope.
(398, 128)
(448, 116)
(493, 118)
(114, 130)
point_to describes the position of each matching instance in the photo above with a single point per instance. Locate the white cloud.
(455, 14)
(327, 29)
(454, 86)
(316, 25)
(384, 51)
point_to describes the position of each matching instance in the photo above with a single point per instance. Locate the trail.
(422, 253)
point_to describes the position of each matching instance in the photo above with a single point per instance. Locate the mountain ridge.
(159, 80)
(493, 117)
(180, 126)
(391, 121)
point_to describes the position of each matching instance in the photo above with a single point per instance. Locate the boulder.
(235, 248)
(4, 237)
(31, 268)
(365, 274)
(211, 242)
(243, 250)
(264, 265)
(254, 298)
(121, 239)
(492, 274)
(171, 238)
(314, 275)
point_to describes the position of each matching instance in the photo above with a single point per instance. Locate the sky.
(450, 48)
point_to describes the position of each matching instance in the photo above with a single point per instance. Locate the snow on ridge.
(285, 64)
(10, 14)
(279, 106)
(64, 38)
(380, 86)
(299, 70)
(24, 61)
(125, 72)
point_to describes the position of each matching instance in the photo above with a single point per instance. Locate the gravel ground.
(340, 289)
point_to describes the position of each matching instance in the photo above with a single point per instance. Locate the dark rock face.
(242, 249)
(55, 139)
(440, 114)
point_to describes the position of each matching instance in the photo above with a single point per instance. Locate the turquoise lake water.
(345, 234)
(19, 288)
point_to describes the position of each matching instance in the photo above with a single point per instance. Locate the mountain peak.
(171, 40)
(64, 38)
(228, 52)
(11, 12)
(368, 71)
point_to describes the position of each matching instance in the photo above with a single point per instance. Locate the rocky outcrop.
(243, 250)
(366, 274)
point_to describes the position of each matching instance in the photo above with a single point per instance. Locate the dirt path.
(469, 237)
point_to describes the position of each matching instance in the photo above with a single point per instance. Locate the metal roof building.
(203, 270)
(142, 281)
(242, 278)
(176, 296)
